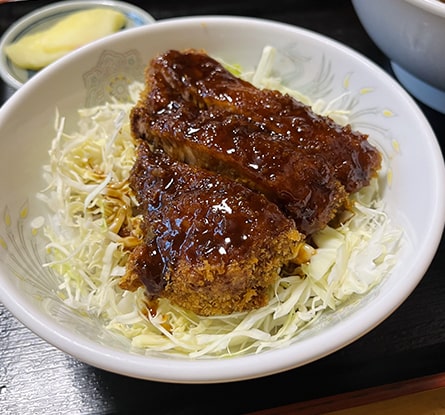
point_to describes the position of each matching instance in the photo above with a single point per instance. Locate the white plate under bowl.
(44, 17)
(320, 68)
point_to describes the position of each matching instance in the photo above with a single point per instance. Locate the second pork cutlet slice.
(212, 245)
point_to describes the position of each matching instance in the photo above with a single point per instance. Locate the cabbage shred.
(91, 231)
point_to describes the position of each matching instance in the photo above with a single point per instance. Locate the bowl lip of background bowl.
(216, 370)
(137, 14)
(433, 6)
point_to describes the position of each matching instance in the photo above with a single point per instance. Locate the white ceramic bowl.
(44, 17)
(411, 33)
(318, 66)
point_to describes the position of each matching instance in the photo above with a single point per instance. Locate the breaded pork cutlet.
(212, 245)
(200, 79)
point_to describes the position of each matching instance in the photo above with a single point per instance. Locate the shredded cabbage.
(90, 202)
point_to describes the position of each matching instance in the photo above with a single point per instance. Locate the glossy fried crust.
(213, 246)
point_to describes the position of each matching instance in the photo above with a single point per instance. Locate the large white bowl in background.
(319, 67)
(411, 33)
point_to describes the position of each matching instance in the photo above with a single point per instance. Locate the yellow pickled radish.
(39, 49)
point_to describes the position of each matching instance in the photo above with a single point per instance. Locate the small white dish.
(44, 17)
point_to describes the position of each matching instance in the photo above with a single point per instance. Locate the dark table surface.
(36, 378)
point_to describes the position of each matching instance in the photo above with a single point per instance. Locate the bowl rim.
(433, 6)
(245, 367)
(43, 12)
